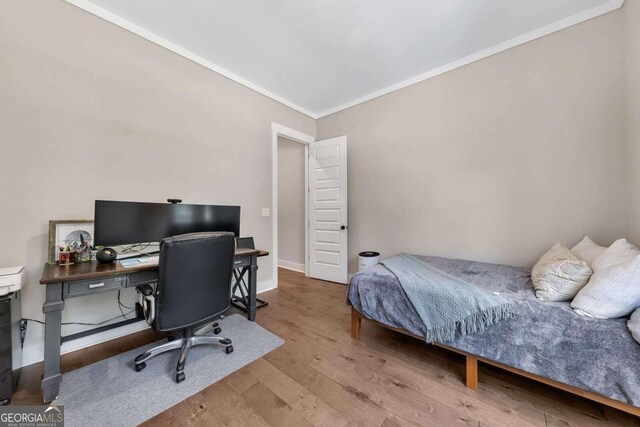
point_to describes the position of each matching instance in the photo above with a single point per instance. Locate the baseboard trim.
(291, 265)
(35, 353)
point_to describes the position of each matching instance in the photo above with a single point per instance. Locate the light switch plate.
(265, 212)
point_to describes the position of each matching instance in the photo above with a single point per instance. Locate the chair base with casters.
(184, 344)
(179, 340)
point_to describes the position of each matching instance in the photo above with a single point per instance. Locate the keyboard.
(149, 259)
(128, 255)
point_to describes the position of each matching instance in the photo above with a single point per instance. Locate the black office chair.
(193, 288)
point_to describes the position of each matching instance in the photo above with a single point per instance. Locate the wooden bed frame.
(472, 369)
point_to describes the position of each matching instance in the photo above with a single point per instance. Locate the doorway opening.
(289, 204)
(325, 204)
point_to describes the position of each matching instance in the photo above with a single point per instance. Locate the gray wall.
(90, 111)
(632, 54)
(498, 160)
(290, 202)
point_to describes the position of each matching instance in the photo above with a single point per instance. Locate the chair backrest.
(194, 280)
(245, 242)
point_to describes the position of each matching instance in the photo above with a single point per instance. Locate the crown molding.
(586, 15)
(100, 12)
(604, 8)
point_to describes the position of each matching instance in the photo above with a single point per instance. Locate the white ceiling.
(320, 56)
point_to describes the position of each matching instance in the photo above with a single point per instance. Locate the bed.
(548, 342)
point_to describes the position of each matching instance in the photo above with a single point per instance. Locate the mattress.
(546, 338)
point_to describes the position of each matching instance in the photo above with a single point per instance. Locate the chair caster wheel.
(217, 331)
(229, 349)
(140, 367)
(180, 377)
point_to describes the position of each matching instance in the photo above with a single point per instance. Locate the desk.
(88, 278)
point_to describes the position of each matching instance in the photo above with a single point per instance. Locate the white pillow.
(620, 252)
(559, 274)
(614, 288)
(587, 250)
(634, 325)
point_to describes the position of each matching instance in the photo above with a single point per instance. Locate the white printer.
(11, 279)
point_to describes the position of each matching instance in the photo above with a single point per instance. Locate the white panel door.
(328, 231)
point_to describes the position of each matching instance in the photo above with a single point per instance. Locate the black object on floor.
(10, 345)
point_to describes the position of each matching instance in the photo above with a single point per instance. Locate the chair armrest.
(146, 290)
(147, 301)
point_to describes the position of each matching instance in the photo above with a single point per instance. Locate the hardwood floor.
(320, 376)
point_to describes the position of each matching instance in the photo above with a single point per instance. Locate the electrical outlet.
(265, 212)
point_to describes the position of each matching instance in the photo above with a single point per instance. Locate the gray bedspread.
(447, 305)
(546, 339)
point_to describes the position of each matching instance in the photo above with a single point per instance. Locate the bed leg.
(472, 373)
(356, 323)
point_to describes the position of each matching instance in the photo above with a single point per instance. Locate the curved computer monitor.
(124, 223)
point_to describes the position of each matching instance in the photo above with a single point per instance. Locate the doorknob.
(344, 227)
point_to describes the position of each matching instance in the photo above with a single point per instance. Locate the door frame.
(278, 130)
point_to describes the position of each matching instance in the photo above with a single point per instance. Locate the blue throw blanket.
(446, 304)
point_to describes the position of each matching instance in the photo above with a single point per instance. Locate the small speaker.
(106, 255)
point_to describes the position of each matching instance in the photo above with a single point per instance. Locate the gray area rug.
(111, 393)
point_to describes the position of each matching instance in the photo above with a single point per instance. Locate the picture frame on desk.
(69, 231)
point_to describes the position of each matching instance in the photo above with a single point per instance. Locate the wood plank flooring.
(322, 377)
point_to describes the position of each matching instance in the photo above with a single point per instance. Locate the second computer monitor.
(124, 223)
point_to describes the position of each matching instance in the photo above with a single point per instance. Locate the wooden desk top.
(54, 273)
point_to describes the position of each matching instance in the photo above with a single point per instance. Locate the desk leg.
(52, 309)
(253, 288)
